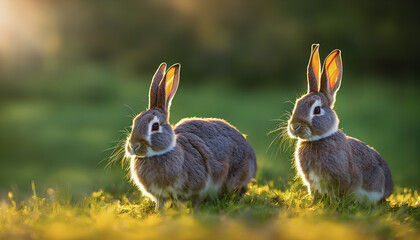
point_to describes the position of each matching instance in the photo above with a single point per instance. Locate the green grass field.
(265, 212)
(58, 130)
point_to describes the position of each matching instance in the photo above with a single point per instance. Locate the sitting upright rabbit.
(328, 160)
(188, 160)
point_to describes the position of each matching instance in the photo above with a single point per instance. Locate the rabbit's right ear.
(332, 72)
(314, 69)
(154, 86)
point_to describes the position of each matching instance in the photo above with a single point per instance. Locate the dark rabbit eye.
(155, 126)
(317, 110)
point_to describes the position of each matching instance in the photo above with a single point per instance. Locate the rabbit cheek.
(324, 126)
(320, 125)
(161, 143)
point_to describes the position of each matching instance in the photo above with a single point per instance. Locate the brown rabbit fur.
(328, 161)
(191, 160)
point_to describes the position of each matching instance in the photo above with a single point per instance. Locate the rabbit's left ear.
(313, 69)
(168, 87)
(154, 86)
(332, 72)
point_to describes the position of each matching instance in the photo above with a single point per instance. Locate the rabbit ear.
(154, 86)
(332, 72)
(168, 87)
(314, 66)
(172, 81)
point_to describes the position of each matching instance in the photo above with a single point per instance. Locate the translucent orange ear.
(316, 63)
(333, 68)
(169, 81)
(313, 69)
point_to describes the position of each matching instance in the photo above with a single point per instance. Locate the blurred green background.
(72, 74)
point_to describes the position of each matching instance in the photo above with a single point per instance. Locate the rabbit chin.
(326, 134)
(307, 135)
(151, 152)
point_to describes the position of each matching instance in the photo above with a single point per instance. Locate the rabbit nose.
(295, 126)
(135, 147)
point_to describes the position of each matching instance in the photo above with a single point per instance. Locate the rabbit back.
(229, 158)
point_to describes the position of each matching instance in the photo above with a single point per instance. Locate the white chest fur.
(318, 182)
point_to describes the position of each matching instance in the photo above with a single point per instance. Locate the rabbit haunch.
(328, 161)
(189, 160)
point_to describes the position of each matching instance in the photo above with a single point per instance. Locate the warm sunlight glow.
(27, 31)
(316, 63)
(137, 181)
(6, 16)
(300, 172)
(332, 69)
(170, 82)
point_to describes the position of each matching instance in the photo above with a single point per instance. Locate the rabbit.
(196, 158)
(328, 161)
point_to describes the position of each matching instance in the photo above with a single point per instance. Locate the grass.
(265, 212)
(55, 129)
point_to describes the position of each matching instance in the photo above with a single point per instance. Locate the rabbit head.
(313, 117)
(151, 132)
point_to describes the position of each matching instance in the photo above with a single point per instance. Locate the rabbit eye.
(155, 127)
(317, 110)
